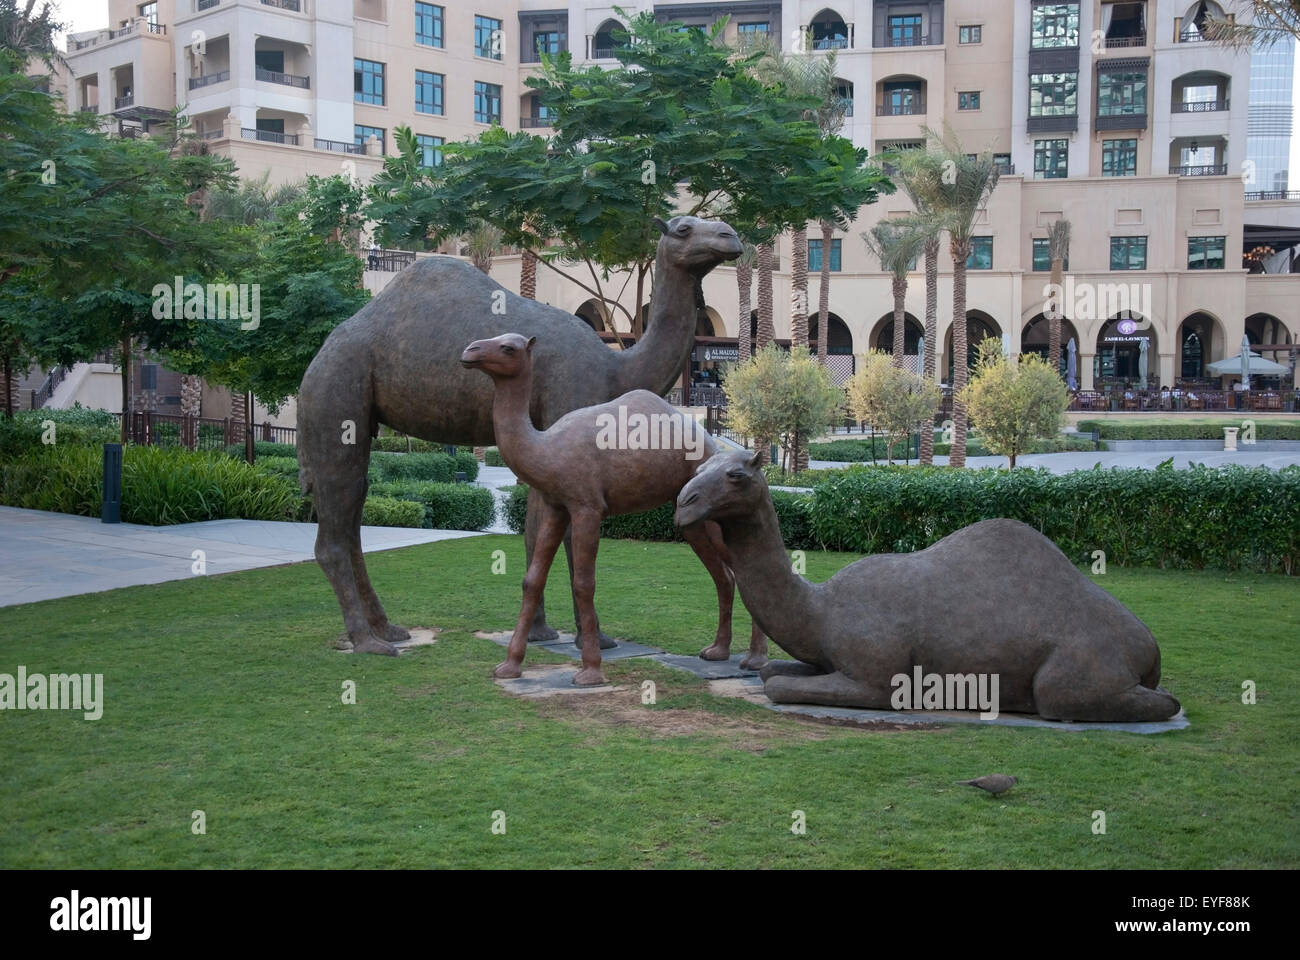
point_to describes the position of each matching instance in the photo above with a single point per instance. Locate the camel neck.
(785, 605)
(511, 418)
(655, 361)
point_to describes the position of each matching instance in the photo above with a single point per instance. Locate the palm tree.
(528, 275)
(29, 34)
(251, 201)
(744, 295)
(481, 243)
(1058, 246)
(896, 244)
(1252, 23)
(766, 330)
(962, 190)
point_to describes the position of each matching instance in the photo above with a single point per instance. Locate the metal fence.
(199, 433)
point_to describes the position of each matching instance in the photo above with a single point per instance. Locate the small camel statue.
(397, 362)
(995, 598)
(631, 454)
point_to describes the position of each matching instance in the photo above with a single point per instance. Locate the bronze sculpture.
(1007, 602)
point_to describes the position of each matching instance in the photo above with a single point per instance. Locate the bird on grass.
(994, 783)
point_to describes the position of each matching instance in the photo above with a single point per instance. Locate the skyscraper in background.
(1268, 131)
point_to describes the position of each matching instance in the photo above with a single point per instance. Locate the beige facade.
(1144, 123)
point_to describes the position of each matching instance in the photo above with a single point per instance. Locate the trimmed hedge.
(859, 450)
(395, 444)
(78, 427)
(791, 509)
(1231, 518)
(391, 512)
(444, 506)
(159, 486)
(1264, 429)
(263, 448)
(492, 457)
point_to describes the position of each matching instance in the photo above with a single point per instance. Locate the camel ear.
(752, 462)
(663, 227)
(529, 345)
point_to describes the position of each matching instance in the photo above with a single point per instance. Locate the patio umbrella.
(1072, 365)
(1258, 366)
(1143, 346)
(1245, 362)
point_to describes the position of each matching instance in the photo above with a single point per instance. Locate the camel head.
(726, 485)
(501, 358)
(695, 245)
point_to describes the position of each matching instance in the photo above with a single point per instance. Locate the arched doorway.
(592, 313)
(1264, 329)
(829, 31)
(609, 36)
(913, 331)
(979, 327)
(1119, 351)
(1200, 342)
(839, 342)
(1036, 337)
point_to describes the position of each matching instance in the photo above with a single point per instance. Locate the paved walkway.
(49, 555)
(1084, 460)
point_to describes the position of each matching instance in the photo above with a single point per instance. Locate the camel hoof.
(606, 642)
(373, 644)
(589, 677)
(508, 671)
(395, 634)
(543, 633)
(715, 651)
(755, 661)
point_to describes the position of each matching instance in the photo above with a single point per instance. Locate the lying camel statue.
(994, 598)
(591, 464)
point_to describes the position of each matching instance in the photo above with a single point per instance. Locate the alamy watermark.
(58, 691)
(212, 301)
(945, 691)
(1085, 300)
(649, 431)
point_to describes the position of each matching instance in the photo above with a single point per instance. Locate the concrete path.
(1084, 460)
(49, 555)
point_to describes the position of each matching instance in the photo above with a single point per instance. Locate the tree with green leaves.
(28, 32)
(891, 399)
(1012, 403)
(780, 394)
(1258, 24)
(896, 244)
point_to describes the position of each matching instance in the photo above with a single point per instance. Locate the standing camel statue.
(396, 361)
(631, 454)
(1004, 601)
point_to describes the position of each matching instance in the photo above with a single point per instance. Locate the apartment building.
(1113, 114)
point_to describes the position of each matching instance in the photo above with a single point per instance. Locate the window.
(1051, 159)
(550, 42)
(150, 13)
(969, 34)
(541, 114)
(1128, 253)
(815, 255)
(1205, 253)
(902, 99)
(487, 102)
(428, 25)
(1003, 163)
(753, 28)
(430, 151)
(1122, 94)
(272, 60)
(1053, 94)
(361, 133)
(428, 92)
(1043, 256)
(844, 94)
(487, 38)
(1119, 158)
(968, 100)
(981, 254)
(368, 82)
(905, 31)
(1054, 25)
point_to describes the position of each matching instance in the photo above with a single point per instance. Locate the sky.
(84, 15)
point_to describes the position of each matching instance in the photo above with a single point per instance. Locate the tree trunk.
(1054, 315)
(766, 330)
(931, 323)
(528, 275)
(899, 285)
(9, 387)
(126, 388)
(960, 251)
(744, 287)
(824, 294)
(799, 289)
(638, 327)
(250, 450)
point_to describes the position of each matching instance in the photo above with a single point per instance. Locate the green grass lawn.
(222, 694)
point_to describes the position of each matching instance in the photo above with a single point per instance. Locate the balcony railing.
(1201, 106)
(208, 79)
(916, 40)
(1114, 43)
(206, 4)
(1202, 170)
(90, 108)
(1192, 37)
(911, 108)
(216, 134)
(1005, 168)
(603, 53)
(269, 136)
(294, 5)
(1273, 194)
(121, 102)
(339, 146)
(286, 79)
(534, 122)
(834, 42)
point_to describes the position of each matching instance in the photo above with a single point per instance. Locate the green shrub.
(467, 463)
(446, 506)
(262, 448)
(159, 486)
(859, 450)
(1264, 430)
(492, 457)
(391, 512)
(1232, 518)
(399, 444)
(284, 466)
(389, 467)
(516, 507)
(77, 427)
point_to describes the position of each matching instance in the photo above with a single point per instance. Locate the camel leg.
(539, 631)
(790, 668)
(1137, 704)
(826, 689)
(550, 531)
(586, 540)
(725, 583)
(606, 642)
(756, 659)
(379, 621)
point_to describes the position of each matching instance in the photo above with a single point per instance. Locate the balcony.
(205, 4)
(1273, 194)
(1120, 43)
(285, 79)
(886, 42)
(906, 108)
(294, 5)
(533, 123)
(1201, 170)
(1206, 106)
(121, 103)
(339, 146)
(269, 136)
(1054, 123)
(208, 79)
(1120, 121)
